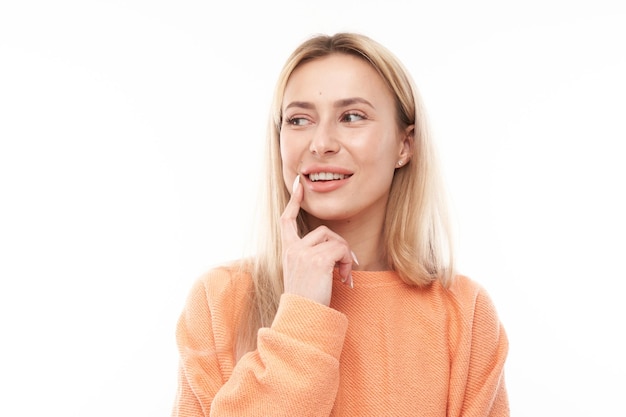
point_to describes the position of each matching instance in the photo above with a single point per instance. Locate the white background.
(130, 139)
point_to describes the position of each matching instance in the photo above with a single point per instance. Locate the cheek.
(289, 154)
(380, 151)
(290, 159)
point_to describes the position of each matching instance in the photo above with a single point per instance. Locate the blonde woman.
(351, 306)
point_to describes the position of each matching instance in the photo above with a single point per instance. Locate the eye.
(353, 117)
(296, 121)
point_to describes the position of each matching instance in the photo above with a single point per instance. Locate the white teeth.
(326, 176)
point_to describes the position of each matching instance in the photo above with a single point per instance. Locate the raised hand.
(308, 262)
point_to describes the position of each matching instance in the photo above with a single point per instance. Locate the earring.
(400, 163)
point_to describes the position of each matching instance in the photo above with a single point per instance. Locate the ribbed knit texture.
(382, 348)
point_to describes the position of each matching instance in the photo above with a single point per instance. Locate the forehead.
(336, 77)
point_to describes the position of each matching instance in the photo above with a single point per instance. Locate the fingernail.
(354, 258)
(295, 183)
(348, 280)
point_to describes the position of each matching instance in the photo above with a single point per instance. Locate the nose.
(324, 140)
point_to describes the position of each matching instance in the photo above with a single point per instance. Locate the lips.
(323, 178)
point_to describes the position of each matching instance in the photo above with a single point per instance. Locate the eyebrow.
(338, 104)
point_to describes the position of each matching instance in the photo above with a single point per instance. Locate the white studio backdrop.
(130, 141)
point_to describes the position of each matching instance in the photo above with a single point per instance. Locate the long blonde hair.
(416, 235)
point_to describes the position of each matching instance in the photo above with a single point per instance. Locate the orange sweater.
(383, 348)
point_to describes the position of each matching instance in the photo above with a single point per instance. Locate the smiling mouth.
(327, 176)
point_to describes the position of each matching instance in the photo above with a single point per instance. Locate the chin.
(327, 214)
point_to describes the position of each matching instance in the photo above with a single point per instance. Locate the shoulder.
(214, 306)
(224, 281)
(467, 293)
(474, 309)
(228, 285)
(469, 304)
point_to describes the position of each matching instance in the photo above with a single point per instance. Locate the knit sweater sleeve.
(479, 363)
(293, 371)
(486, 393)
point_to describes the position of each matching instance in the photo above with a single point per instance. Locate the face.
(340, 132)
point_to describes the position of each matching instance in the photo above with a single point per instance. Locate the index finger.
(289, 226)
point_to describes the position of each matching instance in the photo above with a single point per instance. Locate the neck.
(365, 238)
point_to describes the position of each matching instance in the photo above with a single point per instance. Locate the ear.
(406, 145)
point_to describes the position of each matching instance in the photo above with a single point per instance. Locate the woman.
(351, 307)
